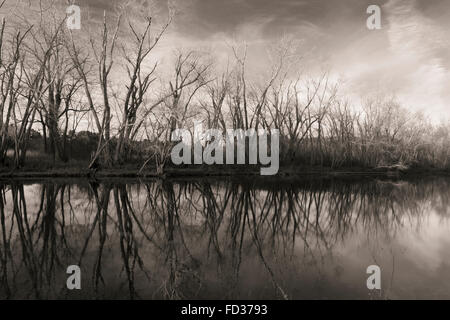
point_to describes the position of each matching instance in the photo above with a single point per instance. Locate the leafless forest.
(94, 204)
(97, 97)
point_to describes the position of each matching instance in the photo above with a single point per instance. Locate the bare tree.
(139, 83)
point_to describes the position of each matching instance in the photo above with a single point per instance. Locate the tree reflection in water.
(208, 239)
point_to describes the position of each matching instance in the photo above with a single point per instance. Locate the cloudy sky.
(409, 57)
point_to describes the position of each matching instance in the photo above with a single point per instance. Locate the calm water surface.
(216, 239)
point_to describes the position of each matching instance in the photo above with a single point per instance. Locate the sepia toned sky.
(409, 57)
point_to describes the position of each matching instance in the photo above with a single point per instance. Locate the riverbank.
(214, 171)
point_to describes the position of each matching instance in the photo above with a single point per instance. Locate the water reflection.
(225, 239)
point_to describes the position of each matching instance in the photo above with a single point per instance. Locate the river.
(225, 239)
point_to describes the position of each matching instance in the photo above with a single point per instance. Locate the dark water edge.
(227, 238)
(219, 171)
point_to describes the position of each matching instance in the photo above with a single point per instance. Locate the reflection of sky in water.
(414, 263)
(176, 243)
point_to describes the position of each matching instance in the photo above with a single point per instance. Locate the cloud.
(409, 56)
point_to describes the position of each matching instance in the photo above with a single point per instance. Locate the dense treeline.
(99, 95)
